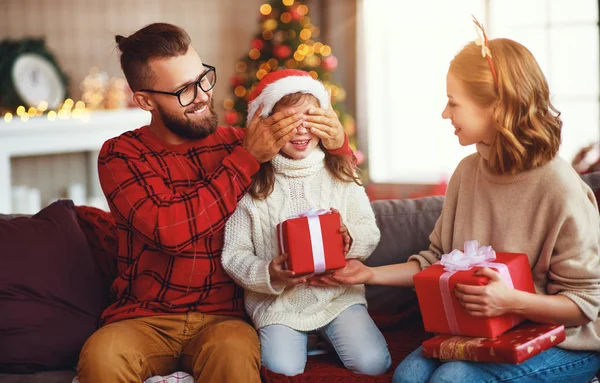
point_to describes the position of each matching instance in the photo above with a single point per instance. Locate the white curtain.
(404, 49)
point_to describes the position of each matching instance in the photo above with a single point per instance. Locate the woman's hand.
(494, 299)
(285, 277)
(354, 273)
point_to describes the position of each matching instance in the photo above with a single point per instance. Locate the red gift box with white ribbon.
(440, 308)
(312, 242)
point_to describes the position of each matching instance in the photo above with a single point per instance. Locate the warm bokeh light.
(270, 24)
(265, 9)
(287, 3)
(305, 34)
(43, 106)
(303, 49)
(20, 110)
(240, 91)
(325, 50)
(8, 117)
(261, 73)
(302, 10)
(285, 17)
(241, 67)
(228, 104)
(267, 35)
(254, 54)
(51, 115)
(291, 64)
(304, 21)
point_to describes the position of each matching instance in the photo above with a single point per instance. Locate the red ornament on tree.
(294, 12)
(231, 117)
(282, 51)
(329, 63)
(360, 157)
(237, 80)
(257, 44)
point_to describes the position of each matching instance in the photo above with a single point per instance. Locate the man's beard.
(184, 127)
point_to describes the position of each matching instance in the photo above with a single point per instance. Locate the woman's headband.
(482, 41)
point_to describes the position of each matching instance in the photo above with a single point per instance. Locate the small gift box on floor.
(312, 242)
(441, 310)
(514, 346)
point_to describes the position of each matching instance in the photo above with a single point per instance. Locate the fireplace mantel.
(40, 136)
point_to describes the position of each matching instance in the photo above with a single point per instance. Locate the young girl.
(283, 306)
(516, 195)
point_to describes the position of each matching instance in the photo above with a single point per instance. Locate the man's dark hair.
(154, 41)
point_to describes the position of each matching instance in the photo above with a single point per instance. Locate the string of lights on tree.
(286, 39)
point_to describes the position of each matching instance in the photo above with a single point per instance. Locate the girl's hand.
(325, 124)
(285, 277)
(491, 300)
(355, 273)
(345, 234)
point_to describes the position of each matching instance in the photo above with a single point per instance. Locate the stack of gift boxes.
(461, 336)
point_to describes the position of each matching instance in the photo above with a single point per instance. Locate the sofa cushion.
(593, 180)
(65, 376)
(51, 290)
(101, 233)
(405, 226)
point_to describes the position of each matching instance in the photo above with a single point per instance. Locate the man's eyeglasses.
(188, 93)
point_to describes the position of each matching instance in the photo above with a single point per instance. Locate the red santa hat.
(275, 85)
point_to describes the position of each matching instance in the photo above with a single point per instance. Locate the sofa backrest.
(405, 225)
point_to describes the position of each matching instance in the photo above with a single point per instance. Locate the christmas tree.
(286, 39)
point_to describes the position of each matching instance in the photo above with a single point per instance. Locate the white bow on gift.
(312, 212)
(473, 256)
(316, 237)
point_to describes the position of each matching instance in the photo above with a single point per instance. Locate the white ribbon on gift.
(473, 256)
(316, 237)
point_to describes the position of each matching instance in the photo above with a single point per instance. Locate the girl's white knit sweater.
(251, 243)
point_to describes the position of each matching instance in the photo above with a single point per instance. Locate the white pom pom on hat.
(276, 85)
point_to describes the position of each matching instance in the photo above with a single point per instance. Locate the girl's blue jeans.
(353, 334)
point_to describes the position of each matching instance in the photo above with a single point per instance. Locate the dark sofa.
(61, 262)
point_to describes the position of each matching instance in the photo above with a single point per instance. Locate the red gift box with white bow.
(312, 242)
(443, 313)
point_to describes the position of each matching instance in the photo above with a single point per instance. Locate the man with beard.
(171, 186)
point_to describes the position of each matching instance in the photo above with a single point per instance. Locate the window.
(406, 48)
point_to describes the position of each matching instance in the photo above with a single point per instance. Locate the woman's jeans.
(357, 341)
(554, 365)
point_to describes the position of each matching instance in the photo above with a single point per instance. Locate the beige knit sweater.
(251, 243)
(549, 213)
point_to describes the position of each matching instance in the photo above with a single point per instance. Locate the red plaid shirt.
(170, 205)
